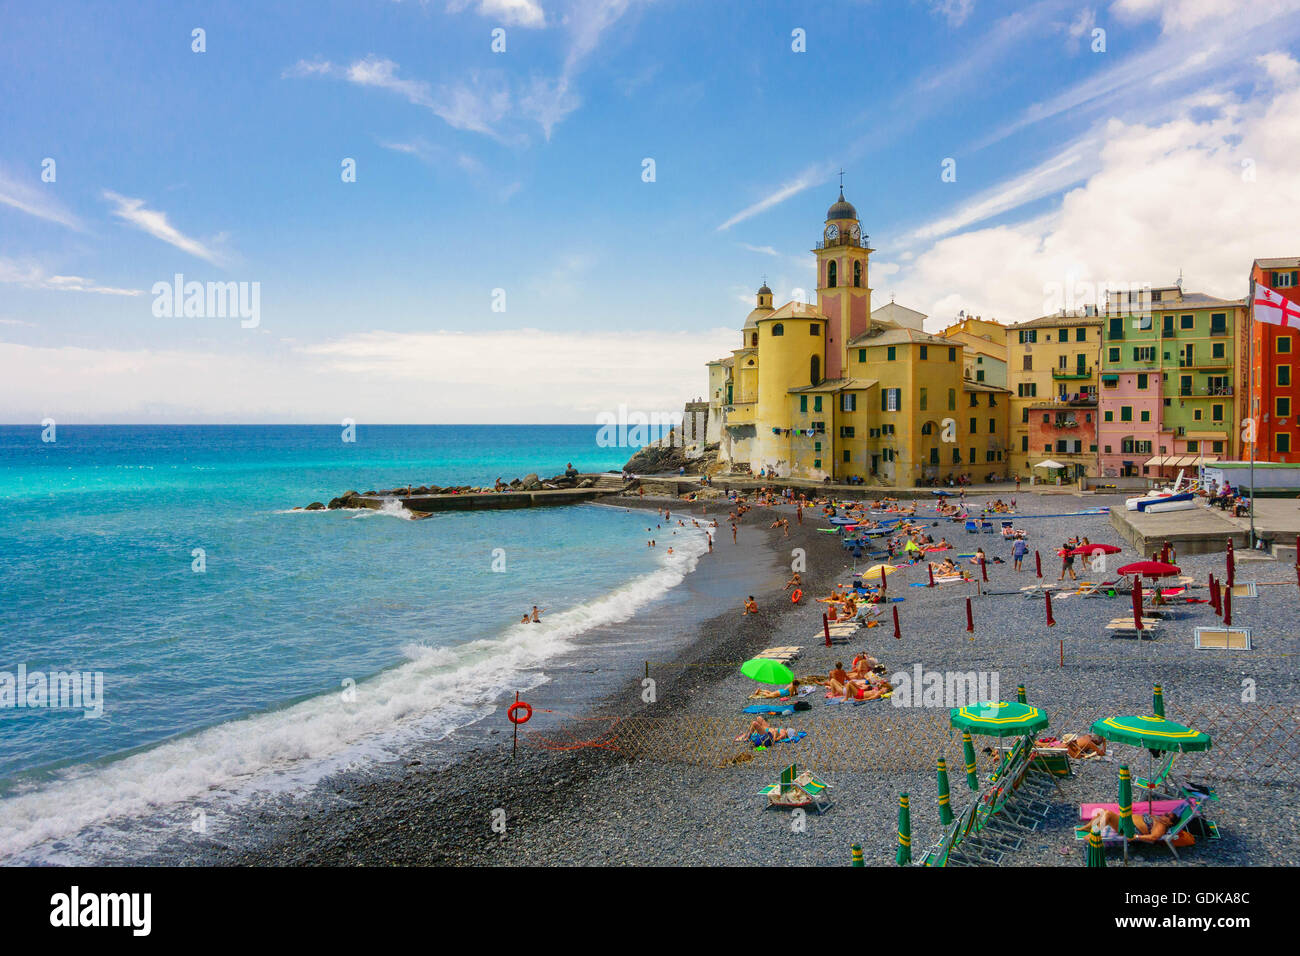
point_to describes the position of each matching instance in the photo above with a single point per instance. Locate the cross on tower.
(841, 179)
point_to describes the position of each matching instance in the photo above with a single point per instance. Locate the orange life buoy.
(796, 597)
(518, 705)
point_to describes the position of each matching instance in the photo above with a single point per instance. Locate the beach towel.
(769, 709)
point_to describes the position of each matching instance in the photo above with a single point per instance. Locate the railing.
(1216, 391)
(1067, 373)
(843, 240)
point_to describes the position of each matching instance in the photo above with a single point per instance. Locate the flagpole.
(1255, 423)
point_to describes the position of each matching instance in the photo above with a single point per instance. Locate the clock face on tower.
(832, 232)
(854, 231)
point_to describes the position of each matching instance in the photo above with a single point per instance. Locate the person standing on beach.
(733, 533)
(710, 537)
(1067, 563)
(1018, 552)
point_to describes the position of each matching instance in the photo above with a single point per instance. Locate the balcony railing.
(1065, 373)
(843, 240)
(1210, 390)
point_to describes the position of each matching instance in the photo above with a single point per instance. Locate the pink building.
(1129, 422)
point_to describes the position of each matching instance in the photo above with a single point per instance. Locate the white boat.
(1157, 495)
(1183, 502)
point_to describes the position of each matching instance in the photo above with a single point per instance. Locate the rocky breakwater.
(515, 493)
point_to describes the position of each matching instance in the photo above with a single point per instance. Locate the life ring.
(518, 705)
(796, 597)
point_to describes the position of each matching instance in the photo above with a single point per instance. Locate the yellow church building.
(833, 391)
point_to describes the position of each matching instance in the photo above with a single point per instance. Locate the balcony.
(842, 240)
(1068, 374)
(1204, 363)
(1212, 391)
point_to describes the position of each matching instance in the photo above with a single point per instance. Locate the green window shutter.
(803, 403)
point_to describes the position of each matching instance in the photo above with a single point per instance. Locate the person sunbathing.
(759, 726)
(1081, 745)
(944, 567)
(1149, 829)
(791, 691)
(794, 582)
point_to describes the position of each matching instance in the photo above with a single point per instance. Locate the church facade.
(835, 391)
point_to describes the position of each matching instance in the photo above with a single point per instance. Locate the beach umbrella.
(1214, 595)
(1158, 700)
(1151, 569)
(1038, 565)
(1137, 602)
(898, 632)
(857, 854)
(1020, 694)
(1126, 804)
(1096, 853)
(984, 571)
(970, 620)
(999, 718)
(968, 752)
(1088, 550)
(1232, 563)
(904, 855)
(1156, 734)
(843, 520)
(1051, 621)
(1227, 607)
(945, 811)
(766, 671)
(931, 567)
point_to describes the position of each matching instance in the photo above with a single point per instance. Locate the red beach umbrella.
(984, 571)
(1214, 596)
(931, 584)
(1038, 565)
(1051, 621)
(1151, 569)
(1137, 602)
(1227, 607)
(1232, 566)
(1087, 550)
(970, 619)
(898, 632)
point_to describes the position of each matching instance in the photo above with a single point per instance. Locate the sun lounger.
(783, 654)
(1177, 835)
(797, 790)
(972, 526)
(1086, 810)
(1123, 627)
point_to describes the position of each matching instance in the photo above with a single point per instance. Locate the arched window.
(778, 329)
(815, 370)
(857, 275)
(753, 339)
(830, 274)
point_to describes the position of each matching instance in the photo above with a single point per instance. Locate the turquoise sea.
(239, 641)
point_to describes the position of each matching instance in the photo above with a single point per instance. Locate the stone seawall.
(426, 504)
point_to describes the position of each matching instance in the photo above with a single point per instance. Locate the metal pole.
(1254, 416)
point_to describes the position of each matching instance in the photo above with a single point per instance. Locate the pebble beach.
(570, 794)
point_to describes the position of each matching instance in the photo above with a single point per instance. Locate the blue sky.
(1173, 149)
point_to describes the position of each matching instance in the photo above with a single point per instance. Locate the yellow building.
(985, 344)
(1053, 364)
(834, 392)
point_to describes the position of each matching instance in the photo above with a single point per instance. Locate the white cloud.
(809, 177)
(155, 223)
(765, 250)
(30, 275)
(955, 12)
(1165, 197)
(372, 377)
(39, 201)
(1186, 15)
(519, 13)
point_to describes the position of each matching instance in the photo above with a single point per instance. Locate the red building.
(1065, 430)
(1276, 393)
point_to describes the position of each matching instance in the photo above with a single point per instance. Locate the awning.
(1110, 378)
(1157, 462)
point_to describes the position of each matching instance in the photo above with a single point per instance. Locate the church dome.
(843, 209)
(764, 290)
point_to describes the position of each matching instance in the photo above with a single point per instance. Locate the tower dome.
(842, 209)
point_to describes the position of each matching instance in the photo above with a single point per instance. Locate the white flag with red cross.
(1272, 307)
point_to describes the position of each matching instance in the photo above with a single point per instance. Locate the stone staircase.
(609, 483)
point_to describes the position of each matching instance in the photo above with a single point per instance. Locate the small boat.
(1183, 502)
(1156, 495)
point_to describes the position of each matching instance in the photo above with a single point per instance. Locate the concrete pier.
(501, 501)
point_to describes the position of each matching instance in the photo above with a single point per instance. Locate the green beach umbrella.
(945, 811)
(904, 855)
(1158, 701)
(999, 719)
(1153, 733)
(766, 671)
(1096, 854)
(968, 751)
(1126, 803)
(1156, 734)
(1020, 694)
